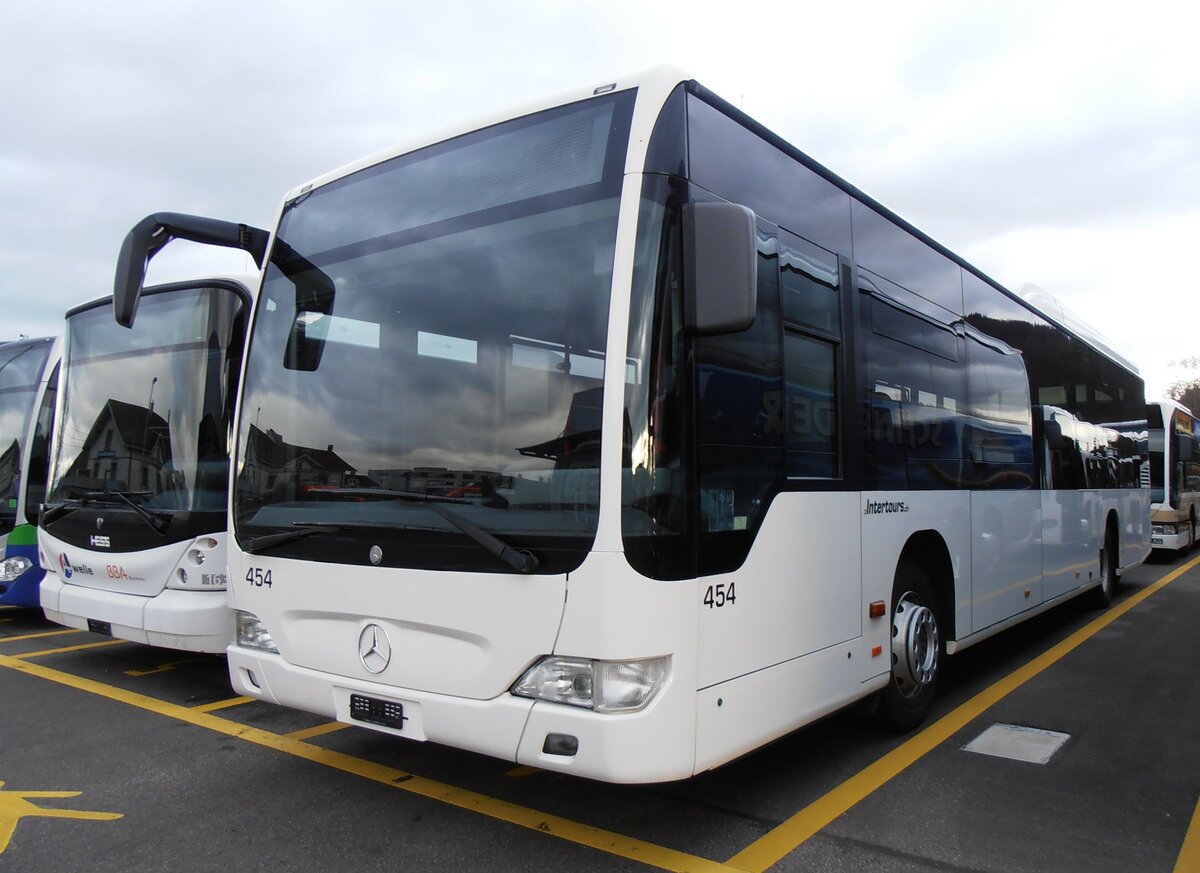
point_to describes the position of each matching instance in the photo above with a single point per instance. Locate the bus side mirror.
(721, 268)
(153, 232)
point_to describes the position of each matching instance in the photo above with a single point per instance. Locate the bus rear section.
(133, 531)
(28, 373)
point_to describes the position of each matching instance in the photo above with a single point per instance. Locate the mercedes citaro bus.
(617, 437)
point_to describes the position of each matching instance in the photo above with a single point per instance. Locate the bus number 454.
(719, 595)
(256, 577)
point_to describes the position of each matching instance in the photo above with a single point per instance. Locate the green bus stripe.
(23, 535)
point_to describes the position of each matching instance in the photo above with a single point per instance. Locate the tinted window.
(39, 450)
(739, 383)
(741, 166)
(998, 433)
(21, 365)
(810, 412)
(808, 284)
(889, 250)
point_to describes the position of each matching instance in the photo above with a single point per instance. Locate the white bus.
(28, 375)
(617, 437)
(133, 531)
(1174, 475)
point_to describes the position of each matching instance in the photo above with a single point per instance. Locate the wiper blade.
(267, 541)
(157, 520)
(53, 512)
(519, 559)
(301, 529)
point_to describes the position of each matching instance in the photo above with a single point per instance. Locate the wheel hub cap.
(915, 645)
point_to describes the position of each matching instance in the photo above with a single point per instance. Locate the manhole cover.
(1019, 743)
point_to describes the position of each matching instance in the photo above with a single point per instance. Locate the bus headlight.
(603, 686)
(11, 569)
(253, 634)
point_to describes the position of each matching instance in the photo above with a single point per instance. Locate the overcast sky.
(1046, 142)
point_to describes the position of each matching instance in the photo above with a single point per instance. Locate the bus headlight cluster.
(11, 569)
(253, 634)
(603, 686)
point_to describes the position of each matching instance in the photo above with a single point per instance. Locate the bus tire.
(1102, 594)
(916, 649)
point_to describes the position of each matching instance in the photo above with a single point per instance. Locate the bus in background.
(28, 373)
(1174, 475)
(617, 437)
(133, 530)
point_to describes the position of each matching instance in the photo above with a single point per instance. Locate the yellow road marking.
(774, 845)
(65, 649)
(1189, 855)
(15, 805)
(585, 835)
(40, 634)
(163, 668)
(222, 704)
(318, 731)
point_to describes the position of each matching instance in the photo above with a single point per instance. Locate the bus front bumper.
(190, 621)
(643, 746)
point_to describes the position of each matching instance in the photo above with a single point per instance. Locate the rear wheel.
(916, 649)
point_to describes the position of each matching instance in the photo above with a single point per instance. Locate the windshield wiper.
(51, 512)
(519, 559)
(267, 541)
(158, 520)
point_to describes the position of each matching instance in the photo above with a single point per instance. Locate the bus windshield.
(21, 365)
(431, 333)
(147, 412)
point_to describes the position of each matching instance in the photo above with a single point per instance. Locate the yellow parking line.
(1189, 855)
(552, 825)
(773, 846)
(318, 731)
(222, 704)
(40, 634)
(66, 649)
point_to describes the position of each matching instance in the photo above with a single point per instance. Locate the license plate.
(385, 713)
(1156, 541)
(100, 627)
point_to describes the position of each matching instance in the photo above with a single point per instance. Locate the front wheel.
(1102, 595)
(916, 650)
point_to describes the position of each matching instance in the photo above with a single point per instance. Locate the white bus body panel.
(468, 635)
(1006, 555)
(128, 590)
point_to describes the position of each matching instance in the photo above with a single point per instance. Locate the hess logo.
(99, 541)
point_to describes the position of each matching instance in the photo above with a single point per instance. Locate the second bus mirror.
(721, 268)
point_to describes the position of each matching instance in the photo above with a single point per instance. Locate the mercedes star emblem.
(374, 648)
